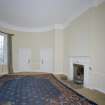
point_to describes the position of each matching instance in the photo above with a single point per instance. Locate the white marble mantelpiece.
(82, 60)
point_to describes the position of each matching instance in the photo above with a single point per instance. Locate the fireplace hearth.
(78, 75)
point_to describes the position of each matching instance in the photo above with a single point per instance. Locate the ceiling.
(38, 14)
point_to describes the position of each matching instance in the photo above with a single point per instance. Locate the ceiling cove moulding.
(98, 2)
(50, 27)
(72, 18)
(94, 4)
(25, 29)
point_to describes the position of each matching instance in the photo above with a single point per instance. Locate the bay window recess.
(5, 54)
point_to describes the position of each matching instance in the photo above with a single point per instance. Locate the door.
(24, 59)
(46, 60)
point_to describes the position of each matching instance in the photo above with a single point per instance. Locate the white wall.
(97, 46)
(85, 36)
(35, 41)
(52, 39)
(58, 51)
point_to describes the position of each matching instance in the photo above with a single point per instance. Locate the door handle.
(42, 61)
(28, 61)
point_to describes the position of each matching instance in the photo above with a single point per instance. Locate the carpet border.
(94, 103)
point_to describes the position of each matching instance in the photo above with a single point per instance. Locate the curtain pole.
(7, 33)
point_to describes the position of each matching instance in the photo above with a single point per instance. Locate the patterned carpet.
(38, 90)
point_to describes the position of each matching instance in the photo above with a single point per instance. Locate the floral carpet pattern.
(38, 90)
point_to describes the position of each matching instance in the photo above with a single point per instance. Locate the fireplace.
(78, 73)
(84, 63)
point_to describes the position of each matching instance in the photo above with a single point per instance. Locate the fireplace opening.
(78, 73)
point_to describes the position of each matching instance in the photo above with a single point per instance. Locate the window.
(5, 53)
(1, 49)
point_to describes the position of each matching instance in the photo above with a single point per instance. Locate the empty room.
(52, 52)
